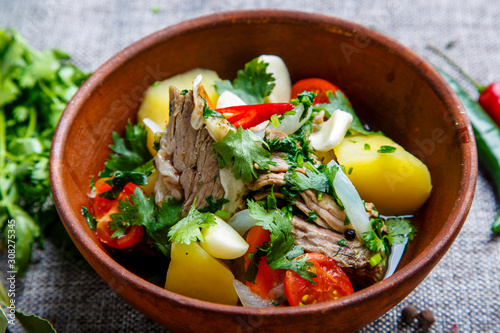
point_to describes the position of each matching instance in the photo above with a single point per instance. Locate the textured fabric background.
(463, 290)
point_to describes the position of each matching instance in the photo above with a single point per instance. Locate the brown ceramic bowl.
(390, 87)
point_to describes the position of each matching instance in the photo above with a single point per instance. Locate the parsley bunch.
(280, 251)
(35, 87)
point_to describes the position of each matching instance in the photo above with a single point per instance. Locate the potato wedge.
(384, 173)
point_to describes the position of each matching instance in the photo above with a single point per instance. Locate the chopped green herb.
(91, 221)
(188, 230)
(239, 150)
(252, 84)
(280, 251)
(367, 146)
(213, 206)
(35, 87)
(120, 180)
(342, 242)
(386, 149)
(130, 152)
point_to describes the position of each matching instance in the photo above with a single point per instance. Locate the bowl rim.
(430, 256)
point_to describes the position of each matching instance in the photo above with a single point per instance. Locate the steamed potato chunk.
(195, 273)
(155, 105)
(384, 173)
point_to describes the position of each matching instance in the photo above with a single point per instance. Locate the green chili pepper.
(487, 136)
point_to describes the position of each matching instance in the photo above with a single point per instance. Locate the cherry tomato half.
(267, 278)
(331, 282)
(103, 208)
(316, 85)
(132, 236)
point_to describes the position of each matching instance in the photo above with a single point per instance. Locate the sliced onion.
(153, 127)
(331, 132)
(354, 206)
(395, 257)
(291, 123)
(248, 298)
(241, 221)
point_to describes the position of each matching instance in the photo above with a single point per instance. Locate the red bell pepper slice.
(248, 116)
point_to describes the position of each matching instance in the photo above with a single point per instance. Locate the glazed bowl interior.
(389, 86)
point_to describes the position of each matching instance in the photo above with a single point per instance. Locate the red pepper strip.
(489, 99)
(248, 116)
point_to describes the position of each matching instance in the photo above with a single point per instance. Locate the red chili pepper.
(248, 116)
(489, 99)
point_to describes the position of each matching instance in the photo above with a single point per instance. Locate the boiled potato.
(155, 105)
(222, 241)
(195, 273)
(384, 173)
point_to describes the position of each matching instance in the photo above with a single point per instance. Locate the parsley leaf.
(138, 209)
(252, 84)
(377, 240)
(35, 87)
(280, 251)
(130, 152)
(240, 150)
(312, 180)
(187, 230)
(120, 180)
(213, 206)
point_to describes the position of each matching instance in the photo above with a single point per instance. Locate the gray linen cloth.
(462, 291)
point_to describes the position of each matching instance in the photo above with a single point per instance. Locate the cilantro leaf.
(187, 230)
(280, 251)
(240, 150)
(167, 214)
(213, 206)
(130, 152)
(252, 84)
(138, 209)
(380, 239)
(35, 87)
(120, 180)
(400, 229)
(312, 180)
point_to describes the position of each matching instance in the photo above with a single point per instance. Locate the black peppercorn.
(426, 318)
(350, 234)
(409, 314)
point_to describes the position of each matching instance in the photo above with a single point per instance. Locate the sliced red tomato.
(248, 116)
(316, 85)
(103, 208)
(132, 236)
(267, 278)
(331, 282)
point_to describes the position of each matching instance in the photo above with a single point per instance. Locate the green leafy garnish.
(213, 206)
(188, 230)
(377, 240)
(35, 87)
(252, 84)
(386, 149)
(130, 152)
(240, 150)
(120, 180)
(91, 221)
(280, 251)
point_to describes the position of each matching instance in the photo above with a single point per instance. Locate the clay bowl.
(390, 87)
